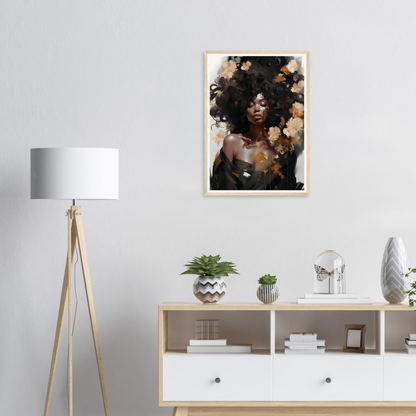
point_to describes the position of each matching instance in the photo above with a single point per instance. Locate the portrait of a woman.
(257, 121)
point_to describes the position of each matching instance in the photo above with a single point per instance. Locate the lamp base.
(75, 233)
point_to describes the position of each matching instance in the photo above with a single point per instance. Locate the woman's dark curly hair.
(230, 97)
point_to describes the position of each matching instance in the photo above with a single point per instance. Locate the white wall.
(129, 74)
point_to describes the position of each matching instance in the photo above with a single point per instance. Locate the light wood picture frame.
(354, 338)
(257, 123)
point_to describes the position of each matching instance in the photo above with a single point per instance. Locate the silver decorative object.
(329, 273)
(209, 289)
(393, 269)
(267, 293)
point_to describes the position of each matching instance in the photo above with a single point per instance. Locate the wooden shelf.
(280, 306)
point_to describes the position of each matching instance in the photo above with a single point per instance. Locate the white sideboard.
(269, 382)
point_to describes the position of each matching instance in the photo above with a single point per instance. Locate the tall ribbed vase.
(393, 269)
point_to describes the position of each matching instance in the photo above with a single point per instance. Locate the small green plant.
(267, 280)
(412, 291)
(210, 266)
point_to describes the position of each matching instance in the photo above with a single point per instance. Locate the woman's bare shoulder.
(232, 139)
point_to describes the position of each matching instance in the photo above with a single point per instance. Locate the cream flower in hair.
(274, 133)
(293, 126)
(246, 66)
(297, 87)
(292, 66)
(228, 69)
(297, 109)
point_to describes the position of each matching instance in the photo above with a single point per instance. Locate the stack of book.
(216, 346)
(304, 343)
(311, 298)
(410, 343)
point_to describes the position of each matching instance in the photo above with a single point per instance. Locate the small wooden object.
(75, 233)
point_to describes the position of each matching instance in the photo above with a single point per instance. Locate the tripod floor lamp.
(74, 173)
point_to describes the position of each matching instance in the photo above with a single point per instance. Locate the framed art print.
(256, 123)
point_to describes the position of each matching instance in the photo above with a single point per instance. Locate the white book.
(410, 350)
(410, 343)
(319, 350)
(207, 342)
(304, 344)
(410, 347)
(411, 337)
(335, 301)
(301, 347)
(220, 349)
(303, 336)
(331, 296)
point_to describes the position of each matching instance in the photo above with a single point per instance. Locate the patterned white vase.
(209, 289)
(393, 269)
(267, 293)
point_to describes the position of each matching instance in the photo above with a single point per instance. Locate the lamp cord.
(73, 322)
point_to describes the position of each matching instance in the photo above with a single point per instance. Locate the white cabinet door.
(242, 377)
(399, 378)
(338, 377)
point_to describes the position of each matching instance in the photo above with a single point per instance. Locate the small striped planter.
(267, 293)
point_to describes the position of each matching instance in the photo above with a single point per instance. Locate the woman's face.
(257, 110)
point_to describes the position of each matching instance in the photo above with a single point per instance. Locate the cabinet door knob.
(218, 380)
(328, 380)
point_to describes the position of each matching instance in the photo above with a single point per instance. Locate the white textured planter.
(393, 269)
(267, 293)
(209, 289)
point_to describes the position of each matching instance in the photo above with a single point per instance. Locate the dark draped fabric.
(242, 176)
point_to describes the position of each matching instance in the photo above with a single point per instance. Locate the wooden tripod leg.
(59, 323)
(87, 281)
(180, 411)
(69, 274)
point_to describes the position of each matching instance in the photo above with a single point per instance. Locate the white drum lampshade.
(74, 173)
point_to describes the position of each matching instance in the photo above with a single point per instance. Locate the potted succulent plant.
(267, 291)
(209, 286)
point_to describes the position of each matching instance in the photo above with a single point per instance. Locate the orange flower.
(260, 157)
(280, 78)
(296, 141)
(285, 70)
(276, 168)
